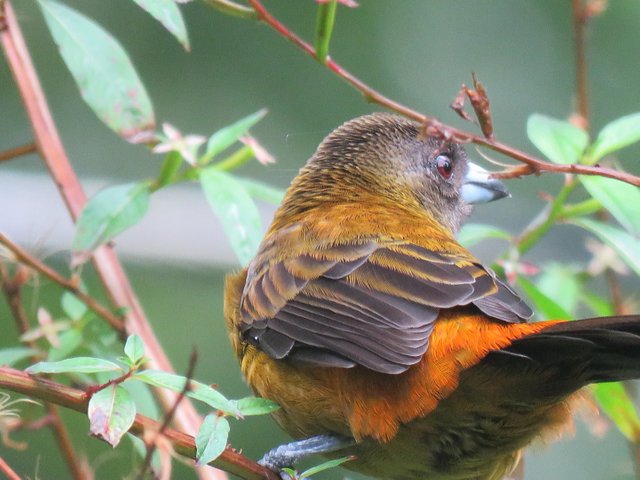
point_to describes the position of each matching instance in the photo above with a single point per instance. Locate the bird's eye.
(444, 166)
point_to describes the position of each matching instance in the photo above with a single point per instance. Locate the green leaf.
(236, 210)
(546, 308)
(619, 198)
(72, 306)
(473, 233)
(111, 413)
(211, 439)
(224, 138)
(69, 340)
(324, 466)
(627, 246)
(102, 70)
(616, 135)
(256, 406)
(75, 365)
(561, 285)
(198, 391)
(134, 349)
(107, 214)
(559, 141)
(143, 397)
(262, 191)
(12, 355)
(616, 403)
(168, 14)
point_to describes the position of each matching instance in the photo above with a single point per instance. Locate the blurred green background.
(417, 52)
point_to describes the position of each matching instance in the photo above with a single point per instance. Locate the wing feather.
(370, 302)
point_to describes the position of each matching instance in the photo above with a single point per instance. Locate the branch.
(580, 18)
(18, 151)
(533, 164)
(8, 471)
(105, 260)
(12, 288)
(49, 391)
(152, 444)
(23, 257)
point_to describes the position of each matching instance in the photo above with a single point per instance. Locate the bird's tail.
(574, 354)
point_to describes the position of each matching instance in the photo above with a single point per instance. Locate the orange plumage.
(364, 318)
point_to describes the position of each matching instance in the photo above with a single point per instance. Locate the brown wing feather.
(370, 303)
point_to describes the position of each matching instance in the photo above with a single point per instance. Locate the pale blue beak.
(479, 188)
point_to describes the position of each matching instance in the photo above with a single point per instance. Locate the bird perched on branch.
(381, 336)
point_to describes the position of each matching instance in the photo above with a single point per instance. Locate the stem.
(545, 220)
(64, 442)
(236, 159)
(435, 127)
(582, 95)
(18, 151)
(153, 443)
(586, 207)
(12, 289)
(105, 260)
(324, 28)
(8, 471)
(49, 391)
(24, 258)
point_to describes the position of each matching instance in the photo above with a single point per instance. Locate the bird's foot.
(287, 455)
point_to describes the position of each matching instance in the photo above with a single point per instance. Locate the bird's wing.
(367, 302)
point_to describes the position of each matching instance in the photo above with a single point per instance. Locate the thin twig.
(582, 93)
(8, 471)
(18, 151)
(232, 8)
(23, 257)
(64, 442)
(616, 292)
(435, 127)
(13, 293)
(49, 391)
(581, 17)
(12, 288)
(105, 260)
(151, 446)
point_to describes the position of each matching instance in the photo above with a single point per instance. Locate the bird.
(382, 338)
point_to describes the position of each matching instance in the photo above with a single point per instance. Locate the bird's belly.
(471, 435)
(425, 450)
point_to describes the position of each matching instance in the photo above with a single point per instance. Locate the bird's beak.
(479, 188)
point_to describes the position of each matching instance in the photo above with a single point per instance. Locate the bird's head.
(384, 154)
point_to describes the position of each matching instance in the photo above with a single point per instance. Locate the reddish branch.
(49, 391)
(12, 289)
(8, 471)
(106, 262)
(23, 257)
(18, 151)
(152, 444)
(533, 165)
(580, 19)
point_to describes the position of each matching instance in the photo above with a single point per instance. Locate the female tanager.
(381, 337)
